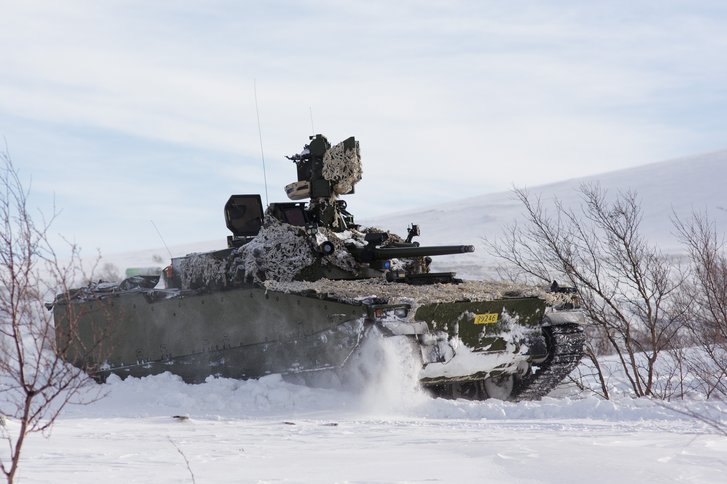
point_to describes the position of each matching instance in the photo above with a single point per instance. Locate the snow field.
(374, 426)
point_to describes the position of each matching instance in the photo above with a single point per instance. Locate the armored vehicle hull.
(301, 287)
(474, 340)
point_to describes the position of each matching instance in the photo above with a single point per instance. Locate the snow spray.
(385, 373)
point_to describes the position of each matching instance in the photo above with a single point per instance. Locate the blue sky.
(128, 111)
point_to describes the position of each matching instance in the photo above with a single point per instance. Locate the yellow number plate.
(488, 318)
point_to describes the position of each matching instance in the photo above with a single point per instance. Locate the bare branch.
(36, 383)
(627, 288)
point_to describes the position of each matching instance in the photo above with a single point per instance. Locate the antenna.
(260, 134)
(313, 130)
(162, 238)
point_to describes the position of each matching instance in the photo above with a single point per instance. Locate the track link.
(565, 350)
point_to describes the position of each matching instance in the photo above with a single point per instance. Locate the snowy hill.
(681, 185)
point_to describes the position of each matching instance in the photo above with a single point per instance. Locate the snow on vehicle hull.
(299, 328)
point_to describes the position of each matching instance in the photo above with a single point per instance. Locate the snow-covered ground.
(554, 441)
(386, 430)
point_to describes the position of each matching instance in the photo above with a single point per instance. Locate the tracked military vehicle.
(301, 286)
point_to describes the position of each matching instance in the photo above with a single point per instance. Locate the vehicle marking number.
(488, 318)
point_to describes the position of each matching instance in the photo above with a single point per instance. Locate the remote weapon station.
(301, 287)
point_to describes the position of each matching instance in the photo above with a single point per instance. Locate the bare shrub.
(35, 382)
(627, 287)
(707, 289)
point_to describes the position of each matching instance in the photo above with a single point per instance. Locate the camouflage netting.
(353, 290)
(281, 251)
(200, 270)
(342, 167)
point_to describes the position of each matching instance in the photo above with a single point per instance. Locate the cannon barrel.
(382, 253)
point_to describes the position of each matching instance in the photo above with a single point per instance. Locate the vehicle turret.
(324, 173)
(337, 247)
